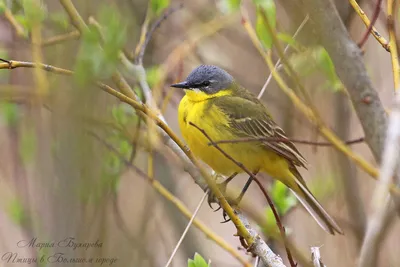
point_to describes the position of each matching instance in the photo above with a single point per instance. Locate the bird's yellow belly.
(252, 155)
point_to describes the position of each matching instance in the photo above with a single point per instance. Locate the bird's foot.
(212, 198)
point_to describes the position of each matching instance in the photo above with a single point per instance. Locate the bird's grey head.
(206, 78)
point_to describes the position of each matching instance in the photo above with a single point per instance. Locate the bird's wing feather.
(249, 118)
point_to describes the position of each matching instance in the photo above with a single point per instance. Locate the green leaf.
(157, 6)
(228, 6)
(282, 198)
(198, 261)
(315, 59)
(10, 112)
(2, 7)
(16, 211)
(267, 6)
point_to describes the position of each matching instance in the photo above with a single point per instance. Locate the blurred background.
(64, 143)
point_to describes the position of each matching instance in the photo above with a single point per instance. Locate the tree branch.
(350, 68)
(367, 22)
(271, 204)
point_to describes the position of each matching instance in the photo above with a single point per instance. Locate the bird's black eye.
(206, 83)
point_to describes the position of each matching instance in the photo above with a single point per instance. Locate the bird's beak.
(183, 85)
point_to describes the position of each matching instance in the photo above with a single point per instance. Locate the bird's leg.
(239, 198)
(222, 186)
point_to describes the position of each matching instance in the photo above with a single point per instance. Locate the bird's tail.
(312, 205)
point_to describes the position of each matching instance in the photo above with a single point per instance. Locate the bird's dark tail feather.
(316, 210)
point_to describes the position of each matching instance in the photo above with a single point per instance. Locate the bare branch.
(149, 33)
(316, 257)
(367, 22)
(187, 228)
(371, 25)
(279, 60)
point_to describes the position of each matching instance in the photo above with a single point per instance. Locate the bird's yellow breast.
(216, 124)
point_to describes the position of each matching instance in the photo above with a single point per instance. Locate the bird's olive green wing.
(249, 118)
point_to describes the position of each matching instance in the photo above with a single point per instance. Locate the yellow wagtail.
(226, 111)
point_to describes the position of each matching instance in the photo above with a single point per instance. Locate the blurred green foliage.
(35, 12)
(2, 6)
(283, 201)
(198, 261)
(158, 6)
(269, 9)
(10, 113)
(16, 211)
(100, 62)
(153, 75)
(316, 59)
(228, 6)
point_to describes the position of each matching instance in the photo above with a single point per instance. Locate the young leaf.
(198, 261)
(315, 59)
(157, 6)
(282, 198)
(267, 6)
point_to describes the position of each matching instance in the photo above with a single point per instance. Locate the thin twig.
(393, 46)
(316, 257)
(60, 38)
(187, 228)
(170, 197)
(279, 60)
(270, 202)
(385, 44)
(371, 25)
(284, 140)
(149, 33)
(178, 146)
(20, 31)
(329, 135)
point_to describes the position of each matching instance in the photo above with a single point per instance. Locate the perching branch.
(199, 174)
(240, 165)
(178, 204)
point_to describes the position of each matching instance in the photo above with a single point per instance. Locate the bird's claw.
(212, 199)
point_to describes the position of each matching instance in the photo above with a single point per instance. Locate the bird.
(218, 105)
